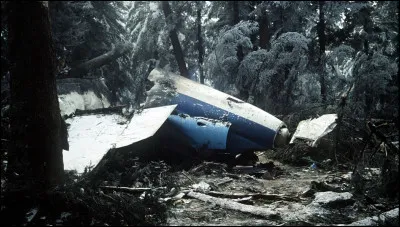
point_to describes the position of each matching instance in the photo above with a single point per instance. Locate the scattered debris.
(333, 199)
(312, 130)
(31, 214)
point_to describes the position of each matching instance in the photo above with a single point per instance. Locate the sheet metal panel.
(203, 133)
(144, 125)
(91, 136)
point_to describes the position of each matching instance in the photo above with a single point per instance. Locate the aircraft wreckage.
(181, 110)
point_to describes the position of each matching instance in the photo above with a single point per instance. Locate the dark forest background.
(281, 56)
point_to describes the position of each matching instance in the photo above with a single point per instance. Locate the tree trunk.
(175, 41)
(36, 148)
(367, 26)
(322, 40)
(82, 69)
(236, 20)
(263, 28)
(200, 46)
(253, 39)
(235, 12)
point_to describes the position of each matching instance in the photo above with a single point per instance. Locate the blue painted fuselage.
(250, 127)
(243, 134)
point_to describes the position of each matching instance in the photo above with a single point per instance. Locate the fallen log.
(130, 190)
(184, 173)
(231, 175)
(225, 203)
(80, 70)
(253, 195)
(388, 218)
(245, 200)
(224, 182)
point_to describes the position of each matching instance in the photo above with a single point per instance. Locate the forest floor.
(295, 195)
(210, 193)
(295, 185)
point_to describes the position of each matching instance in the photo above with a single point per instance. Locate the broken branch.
(184, 173)
(254, 196)
(80, 70)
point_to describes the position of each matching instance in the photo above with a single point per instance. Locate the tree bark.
(175, 42)
(367, 26)
(200, 46)
(235, 12)
(36, 148)
(236, 20)
(263, 29)
(80, 70)
(322, 43)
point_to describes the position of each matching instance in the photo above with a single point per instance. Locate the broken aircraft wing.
(91, 136)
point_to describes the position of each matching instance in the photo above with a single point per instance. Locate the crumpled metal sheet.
(91, 136)
(143, 125)
(312, 130)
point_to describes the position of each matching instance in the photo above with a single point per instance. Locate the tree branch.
(84, 68)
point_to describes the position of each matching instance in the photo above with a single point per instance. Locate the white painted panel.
(91, 136)
(314, 129)
(144, 125)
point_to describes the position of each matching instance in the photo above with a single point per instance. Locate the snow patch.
(181, 37)
(69, 103)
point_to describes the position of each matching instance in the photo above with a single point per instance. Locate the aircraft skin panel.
(203, 133)
(223, 101)
(91, 136)
(262, 136)
(143, 125)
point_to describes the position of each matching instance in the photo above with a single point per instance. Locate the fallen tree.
(130, 190)
(253, 196)
(81, 69)
(225, 203)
